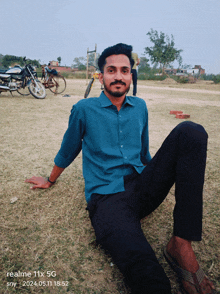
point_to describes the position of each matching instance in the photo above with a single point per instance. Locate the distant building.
(176, 72)
(170, 71)
(196, 70)
(181, 72)
(55, 65)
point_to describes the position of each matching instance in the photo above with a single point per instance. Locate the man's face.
(117, 76)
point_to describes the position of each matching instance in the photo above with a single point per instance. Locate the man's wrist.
(51, 182)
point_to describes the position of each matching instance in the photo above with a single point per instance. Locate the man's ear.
(101, 78)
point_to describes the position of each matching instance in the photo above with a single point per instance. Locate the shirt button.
(120, 131)
(125, 157)
(121, 146)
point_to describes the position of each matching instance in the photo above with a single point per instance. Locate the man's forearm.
(56, 172)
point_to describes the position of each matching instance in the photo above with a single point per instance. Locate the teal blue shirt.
(113, 142)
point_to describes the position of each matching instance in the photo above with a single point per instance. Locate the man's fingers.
(31, 180)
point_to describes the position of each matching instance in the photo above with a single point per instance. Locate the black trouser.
(134, 79)
(116, 217)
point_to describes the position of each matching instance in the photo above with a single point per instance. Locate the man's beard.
(116, 93)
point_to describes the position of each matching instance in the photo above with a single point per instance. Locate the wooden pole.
(95, 52)
(87, 66)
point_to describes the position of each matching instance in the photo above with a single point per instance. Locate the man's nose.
(118, 75)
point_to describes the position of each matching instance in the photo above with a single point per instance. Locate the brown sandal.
(193, 278)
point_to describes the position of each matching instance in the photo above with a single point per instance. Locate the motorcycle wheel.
(24, 91)
(40, 92)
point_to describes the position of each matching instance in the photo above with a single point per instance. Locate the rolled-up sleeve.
(72, 139)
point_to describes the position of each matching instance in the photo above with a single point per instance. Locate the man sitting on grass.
(123, 183)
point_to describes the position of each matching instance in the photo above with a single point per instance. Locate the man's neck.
(117, 101)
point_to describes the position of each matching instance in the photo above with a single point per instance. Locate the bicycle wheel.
(57, 84)
(23, 90)
(89, 87)
(37, 89)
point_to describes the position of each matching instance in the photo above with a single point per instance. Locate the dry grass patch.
(49, 230)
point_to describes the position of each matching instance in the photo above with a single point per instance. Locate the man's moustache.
(117, 82)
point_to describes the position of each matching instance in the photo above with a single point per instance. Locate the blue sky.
(47, 29)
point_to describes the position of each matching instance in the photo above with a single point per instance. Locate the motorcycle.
(19, 79)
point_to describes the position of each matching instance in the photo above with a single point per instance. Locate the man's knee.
(193, 130)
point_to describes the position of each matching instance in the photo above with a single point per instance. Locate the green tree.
(1, 58)
(163, 51)
(81, 67)
(186, 66)
(144, 66)
(9, 60)
(92, 60)
(79, 62)
(59, 60)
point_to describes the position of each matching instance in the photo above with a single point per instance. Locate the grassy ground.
(48, 231)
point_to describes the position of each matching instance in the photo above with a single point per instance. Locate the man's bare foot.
(181, 250)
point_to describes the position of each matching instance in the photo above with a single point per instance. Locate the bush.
(182, 80)
(207, 77)
(80, 75)
(142, 76)
(185, 80)
(216, 79)
(211, 77)
(67, 75)
(39, 72)
(74, 75)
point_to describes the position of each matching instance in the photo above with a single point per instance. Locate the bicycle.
(91, 82)
(53, 80)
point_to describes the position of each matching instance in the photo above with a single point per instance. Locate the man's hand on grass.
(39, 183)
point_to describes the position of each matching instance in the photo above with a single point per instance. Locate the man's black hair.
(117, 49)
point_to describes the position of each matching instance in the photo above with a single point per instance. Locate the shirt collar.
(105, 102)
